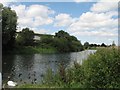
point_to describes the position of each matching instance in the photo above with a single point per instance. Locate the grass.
(32, 50)
(100, 70)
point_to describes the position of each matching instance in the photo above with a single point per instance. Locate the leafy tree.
(113, 44)
(46, 41)
(9, 23)
(25, 37)
(73, 38)
(62, 34)
(66, 43)
(103, 45)
(86, 45)
(61, 44)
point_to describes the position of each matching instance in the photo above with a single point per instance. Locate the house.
(37, 37)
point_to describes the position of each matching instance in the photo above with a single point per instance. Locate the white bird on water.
(11, 83)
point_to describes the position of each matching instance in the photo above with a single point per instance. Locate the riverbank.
(100, 70)
(31, 50)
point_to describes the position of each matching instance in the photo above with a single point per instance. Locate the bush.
(100, 70)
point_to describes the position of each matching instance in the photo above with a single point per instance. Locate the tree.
(103, 45)
(66, 43)
(61, 44)
(25, 37)
(9, 24)
(62, 34)
(113, 44)
(86, 45)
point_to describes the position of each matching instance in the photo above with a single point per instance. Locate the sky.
(94, 22)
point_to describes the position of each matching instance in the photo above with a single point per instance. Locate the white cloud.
(39, 10)
(63, 20)
(94, 24)
(33, 16)
(98, 22)
(104, 6)
(95, 33)
(41, 31)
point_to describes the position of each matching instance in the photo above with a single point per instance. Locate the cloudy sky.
(95, 22)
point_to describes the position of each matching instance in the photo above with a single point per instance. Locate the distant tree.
(61, 44)
(25, 37)
(46, 41)
(103, 45)
(86, 45)
(66, 43)
(62, 34)
(9, 24)
(113, 43)
(73, 38)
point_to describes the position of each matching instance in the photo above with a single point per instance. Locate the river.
(26, 68)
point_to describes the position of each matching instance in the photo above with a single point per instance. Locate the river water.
(27, 68)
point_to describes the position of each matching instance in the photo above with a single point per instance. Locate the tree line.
(87, 45)
(62, 41)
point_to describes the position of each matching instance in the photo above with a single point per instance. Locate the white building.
(36, 37)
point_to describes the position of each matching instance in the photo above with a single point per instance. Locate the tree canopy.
(86, 45)
(9, 24)
(25, 37)
(66, 43)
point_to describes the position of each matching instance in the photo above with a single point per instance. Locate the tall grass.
(100, 70)
(32, 50)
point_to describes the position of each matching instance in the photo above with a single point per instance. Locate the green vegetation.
(32, 50)
(61, 41)
(100, 70)
(86, 45)
(9, 24)
(25, 37)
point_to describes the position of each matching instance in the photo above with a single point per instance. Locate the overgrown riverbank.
(100, 70)
(31, 50)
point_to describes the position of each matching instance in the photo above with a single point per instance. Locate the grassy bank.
(100, 70)
(32, 50)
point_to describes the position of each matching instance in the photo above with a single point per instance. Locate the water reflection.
(31, 68)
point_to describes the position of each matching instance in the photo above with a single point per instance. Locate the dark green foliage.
(62, 34)
(9, 23)
(101, 69)
(62, 41)
(61, 44)
(66, 43)
(86, 45)
(103, 45)
(47, 40)
(113, 43)
(25, 37)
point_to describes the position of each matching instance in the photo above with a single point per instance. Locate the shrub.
(101, 69)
